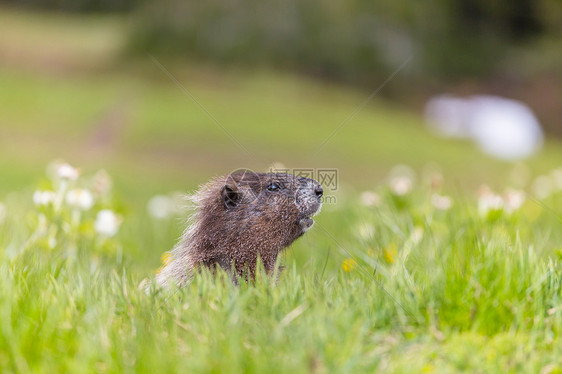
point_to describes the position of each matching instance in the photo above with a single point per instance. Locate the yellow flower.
(389, 253)
(428, 369)
(166, 258)
(349, 264)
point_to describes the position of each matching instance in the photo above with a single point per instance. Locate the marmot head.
(256, 212)
(278, 196)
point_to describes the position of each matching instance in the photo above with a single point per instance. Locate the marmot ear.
(230, 196)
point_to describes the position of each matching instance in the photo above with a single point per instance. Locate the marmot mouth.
(306, 220)
(306, 223)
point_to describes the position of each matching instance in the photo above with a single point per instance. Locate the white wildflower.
(66, 171)
(107, 223)
(366, 231)
(489, 201)
(401, 185)
(161, 207)
(370, 198)
(44, 197)
(513, 199)
(80, 198)
(542, 187)
(402, 179)
(441, 202)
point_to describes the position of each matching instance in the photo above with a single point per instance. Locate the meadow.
(417, 268)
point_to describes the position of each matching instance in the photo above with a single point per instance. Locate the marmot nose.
(319, 191)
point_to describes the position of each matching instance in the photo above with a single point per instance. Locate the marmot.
(240, 217)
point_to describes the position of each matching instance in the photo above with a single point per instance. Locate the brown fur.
(238, 218)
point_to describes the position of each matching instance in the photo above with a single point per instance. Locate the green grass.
(432, 291)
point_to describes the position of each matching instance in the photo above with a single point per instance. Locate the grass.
(422, 290)
(398, 287)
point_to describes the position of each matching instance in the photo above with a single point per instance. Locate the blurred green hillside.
(508, 48)
(67, 91)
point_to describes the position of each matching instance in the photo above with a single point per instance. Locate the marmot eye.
(273, 187)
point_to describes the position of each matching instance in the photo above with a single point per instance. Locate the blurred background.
(165, 95)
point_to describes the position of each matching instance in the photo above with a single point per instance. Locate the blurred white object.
(400, 186)
(80, 198)
(44, 197)
(370, 198)
(66, 171)
(503, 128)
(441, 202)
(366, 231)
(107, 223)
(489, 203)
(161, 207)
(513, 199)
(402, 179)
(448, 115)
